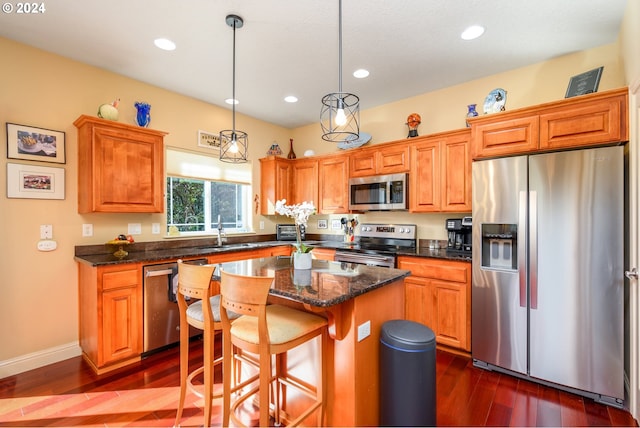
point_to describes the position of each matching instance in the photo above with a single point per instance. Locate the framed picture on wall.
(209, 140)
(36, 144)
(34, 182)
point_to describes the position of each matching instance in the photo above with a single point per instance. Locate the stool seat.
(195, 313)
(284, 324)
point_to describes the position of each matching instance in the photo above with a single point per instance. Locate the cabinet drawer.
(436, 269)
(121, 278)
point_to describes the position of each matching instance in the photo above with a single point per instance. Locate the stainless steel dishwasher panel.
(161, 316)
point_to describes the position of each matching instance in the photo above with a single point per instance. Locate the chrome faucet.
(222, 236)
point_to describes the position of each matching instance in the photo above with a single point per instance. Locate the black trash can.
(407, 374)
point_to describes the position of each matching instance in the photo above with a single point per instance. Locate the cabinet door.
(424, 180)
(120, 167)
(505, 137)
(588, 123)
(121, 325)
(362, 163)
(456, 173)
(275, 183)
(333, 189)
(393, 159)
(450, 315)
(305, 181)
(419, 301)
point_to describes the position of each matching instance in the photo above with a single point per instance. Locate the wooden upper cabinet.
(586, 120)
(275, 183)
(120, 167)
(333, 189)
(440, 178)
(381, 159)
(305, 181)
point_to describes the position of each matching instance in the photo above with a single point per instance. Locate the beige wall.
(39, 290)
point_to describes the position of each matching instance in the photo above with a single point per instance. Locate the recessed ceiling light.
(472, 32)
(291, 99)
(164, 44)
(231, 101)
(361, 73)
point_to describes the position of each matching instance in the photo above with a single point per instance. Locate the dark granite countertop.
(97, 255)
(325, 284)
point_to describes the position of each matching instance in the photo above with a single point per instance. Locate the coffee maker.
(459, 236)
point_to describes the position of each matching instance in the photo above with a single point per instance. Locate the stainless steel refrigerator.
(547, 292)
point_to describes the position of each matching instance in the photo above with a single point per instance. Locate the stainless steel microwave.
(379, 193)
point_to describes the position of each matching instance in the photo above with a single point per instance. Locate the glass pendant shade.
(233, 146)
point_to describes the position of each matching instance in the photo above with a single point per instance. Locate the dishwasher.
(161, 316)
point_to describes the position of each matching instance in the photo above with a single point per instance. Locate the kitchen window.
(200, 188)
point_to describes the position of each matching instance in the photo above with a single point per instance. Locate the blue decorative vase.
(143, 117)
(471, 113)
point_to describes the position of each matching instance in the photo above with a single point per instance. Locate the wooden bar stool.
(266, 330)
(194, 282)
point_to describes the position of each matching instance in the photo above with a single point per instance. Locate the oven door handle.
(359, 258)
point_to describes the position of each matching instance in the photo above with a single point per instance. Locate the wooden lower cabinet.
(110, 314)
(438, 295)
(323, 254)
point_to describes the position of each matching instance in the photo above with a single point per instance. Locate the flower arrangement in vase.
(300, 214)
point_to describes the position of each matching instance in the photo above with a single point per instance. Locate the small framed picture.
(584, 83)
(209, 140)
(36, 144)
(34, 182)
(322, 224)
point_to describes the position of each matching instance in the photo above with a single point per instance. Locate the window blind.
(182, 163)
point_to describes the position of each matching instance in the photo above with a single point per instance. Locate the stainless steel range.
(378, 244)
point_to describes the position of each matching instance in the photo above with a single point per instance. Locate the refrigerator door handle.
(522, 265)
(533, 247)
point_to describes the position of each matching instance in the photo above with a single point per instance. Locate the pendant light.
(233, 143)
(340, 112)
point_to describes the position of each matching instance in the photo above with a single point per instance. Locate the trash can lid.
(407, 335)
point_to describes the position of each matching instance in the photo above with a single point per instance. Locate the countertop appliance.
(161, 317)
(548, 270)
(459, 236)
(379, 193)
(378, 244)
(287, 232)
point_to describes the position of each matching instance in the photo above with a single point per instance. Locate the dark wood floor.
(69, 394)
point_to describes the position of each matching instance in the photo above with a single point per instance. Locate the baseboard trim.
(38, 359)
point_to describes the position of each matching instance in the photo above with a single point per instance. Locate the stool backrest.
(194, 280)
(242, 294)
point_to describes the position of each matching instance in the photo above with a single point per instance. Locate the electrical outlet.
(261, 225)
(87, 230)
(155, 228)
(364, 330)
(46, 231)
(134, 229)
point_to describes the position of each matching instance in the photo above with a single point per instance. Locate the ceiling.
(291, 47)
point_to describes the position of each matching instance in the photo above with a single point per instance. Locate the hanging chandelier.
(233, 143)
(340, 114)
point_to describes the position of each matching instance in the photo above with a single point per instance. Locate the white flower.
(299, 212)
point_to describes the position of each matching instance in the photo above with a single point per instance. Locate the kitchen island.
(357, 300)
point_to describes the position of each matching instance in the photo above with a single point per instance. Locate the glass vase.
(143, 116)
(471, 112)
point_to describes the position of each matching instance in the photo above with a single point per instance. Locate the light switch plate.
(46, 231)
(87, 229)
(155, 228)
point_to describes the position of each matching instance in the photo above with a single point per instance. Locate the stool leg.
(208, 376)
(227, 362)
(265, 380)
(184, 368)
